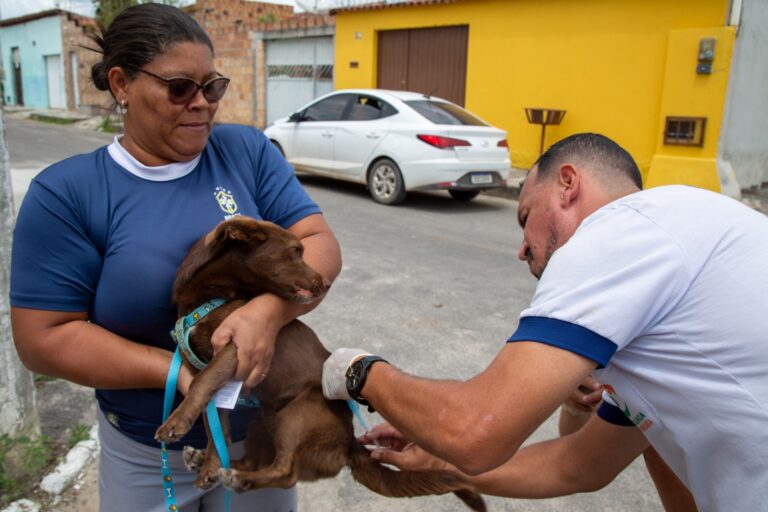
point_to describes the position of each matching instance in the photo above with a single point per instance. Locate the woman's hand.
(393, 448)
(253, 328)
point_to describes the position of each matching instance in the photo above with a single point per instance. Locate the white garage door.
(298, 71)
(55, 75)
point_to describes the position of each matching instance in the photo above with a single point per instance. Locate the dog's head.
(251, 257)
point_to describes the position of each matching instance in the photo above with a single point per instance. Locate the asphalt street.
(432, 285)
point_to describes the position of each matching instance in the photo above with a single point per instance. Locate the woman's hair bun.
(99, 76)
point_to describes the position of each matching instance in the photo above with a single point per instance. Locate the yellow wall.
(686, 93)
(604, 61)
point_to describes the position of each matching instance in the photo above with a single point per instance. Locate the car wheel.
(279, 147)
(464, 195)
(386, 183)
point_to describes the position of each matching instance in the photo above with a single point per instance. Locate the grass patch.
(41, 378)
(22, 462)
(52, 119)
(108, 125)
(79, 433)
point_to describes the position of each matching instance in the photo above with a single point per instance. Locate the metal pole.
(541, 146)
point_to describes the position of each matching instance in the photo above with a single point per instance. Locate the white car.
(394, 142)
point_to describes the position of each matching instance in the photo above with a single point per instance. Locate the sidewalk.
(58, 116)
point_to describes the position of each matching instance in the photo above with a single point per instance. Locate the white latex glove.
(335, 372)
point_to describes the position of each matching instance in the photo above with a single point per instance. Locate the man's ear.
(569, 184)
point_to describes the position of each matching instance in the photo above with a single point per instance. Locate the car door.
(314, 131)
(365, 125)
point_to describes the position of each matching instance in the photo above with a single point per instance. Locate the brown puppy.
(299, 435)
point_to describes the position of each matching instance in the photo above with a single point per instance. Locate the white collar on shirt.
(160, 173)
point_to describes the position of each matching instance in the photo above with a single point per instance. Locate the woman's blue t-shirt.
(91, 236)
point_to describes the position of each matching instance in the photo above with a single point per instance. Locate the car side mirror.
(296, 117)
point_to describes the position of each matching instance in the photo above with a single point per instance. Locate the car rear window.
(444, 113)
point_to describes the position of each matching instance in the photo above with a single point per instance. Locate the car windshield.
(444, 113)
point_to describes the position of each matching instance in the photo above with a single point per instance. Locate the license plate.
(479, 179)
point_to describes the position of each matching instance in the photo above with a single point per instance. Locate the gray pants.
(130, 481)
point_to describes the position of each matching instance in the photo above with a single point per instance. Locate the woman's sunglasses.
(181, 90)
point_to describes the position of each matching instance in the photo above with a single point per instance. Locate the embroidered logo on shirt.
(226, 200)
(636, 417)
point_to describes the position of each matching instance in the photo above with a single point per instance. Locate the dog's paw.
(206, 479)
(193, 458)
(173, 429)
(230, 478)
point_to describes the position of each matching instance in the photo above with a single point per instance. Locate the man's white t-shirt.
(667, 290)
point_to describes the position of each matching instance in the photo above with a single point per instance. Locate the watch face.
(353, 375)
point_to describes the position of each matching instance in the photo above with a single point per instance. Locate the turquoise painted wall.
(35, 40)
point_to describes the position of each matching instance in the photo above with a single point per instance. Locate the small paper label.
(226, 397)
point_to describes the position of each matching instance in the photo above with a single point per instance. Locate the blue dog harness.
(180, 332)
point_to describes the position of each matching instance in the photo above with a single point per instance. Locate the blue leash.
(220, 443)
(180, 334)
(356, 411)
(216, 432)
(170, 392)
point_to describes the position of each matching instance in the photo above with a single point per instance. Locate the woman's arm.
(254, 326)
(66, 345)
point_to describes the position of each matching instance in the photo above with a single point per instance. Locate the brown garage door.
(427, 60)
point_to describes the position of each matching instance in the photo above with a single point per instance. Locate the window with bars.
(685, 131)
(320, 72)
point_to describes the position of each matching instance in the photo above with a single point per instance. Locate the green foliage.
(79, 433)
(106, 10)
(108, 125)
(50, 119)
(41, 378)
(35, 455)
(7, 484)
(268, 18)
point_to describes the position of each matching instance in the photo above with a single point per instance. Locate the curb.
(59, 479)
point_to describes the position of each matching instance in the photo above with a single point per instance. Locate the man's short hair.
(613, 160)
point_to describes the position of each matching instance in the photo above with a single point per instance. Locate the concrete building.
(652, 74)
(270, 54)
(47, 63)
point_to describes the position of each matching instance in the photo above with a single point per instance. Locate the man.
(662, 291)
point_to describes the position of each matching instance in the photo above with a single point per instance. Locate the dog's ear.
(237, 231)
(215, 242)
(205, 250)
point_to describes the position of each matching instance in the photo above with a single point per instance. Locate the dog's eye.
(298, 251)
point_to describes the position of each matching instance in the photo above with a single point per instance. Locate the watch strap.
(357, 374)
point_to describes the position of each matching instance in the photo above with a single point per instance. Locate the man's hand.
(253, 328)
(335, 372)
(393, 448)
(586, 397)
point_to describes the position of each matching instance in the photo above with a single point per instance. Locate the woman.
(99, 237)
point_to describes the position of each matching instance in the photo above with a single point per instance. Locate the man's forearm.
(536, 471)
(479, 424)
(433, 413)
(584, 461)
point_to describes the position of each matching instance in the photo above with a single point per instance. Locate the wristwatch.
(356, 375)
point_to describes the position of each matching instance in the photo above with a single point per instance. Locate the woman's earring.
(123, 107)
